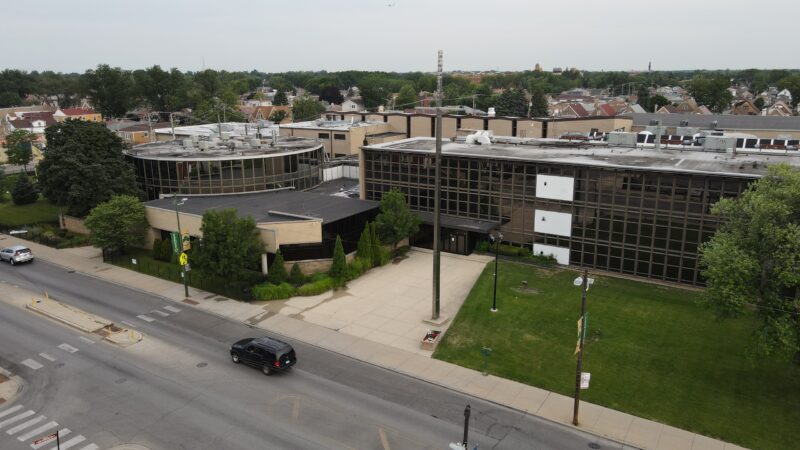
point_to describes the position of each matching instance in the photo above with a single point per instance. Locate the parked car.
(268, 354)
(16, 254)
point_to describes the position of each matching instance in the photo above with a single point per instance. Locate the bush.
(277, 271)
(156, 251)
(364, 249)
(296, 276)
(24, 192)
(356, 268)
(375, 245)
(339, 265)
(166, 250)
(401, 251)
(321, 285)
(268, 291)
(505, 249)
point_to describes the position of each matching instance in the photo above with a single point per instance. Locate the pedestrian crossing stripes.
(61, 433)
(145, 318)
(11, 410)
(85, 339)
(24, 425)
(47, 357)
(70, 443)
(33, 364)
(36, 428)
(160, 313)
(172, 309)
(37, 431)
(16, 418)
(68, 348)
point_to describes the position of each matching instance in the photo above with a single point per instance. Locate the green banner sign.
(176, 244)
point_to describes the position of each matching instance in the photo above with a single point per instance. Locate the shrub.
(296, 276)
(24, 192)
(277, 271)
(156, 252)
(319, 286)
(364, 249)
(268, 291)
(401, 251)
(375, 245)
(166, 250)
(339, 265)
(356, 268)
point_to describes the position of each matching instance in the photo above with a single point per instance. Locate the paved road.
(178, 389)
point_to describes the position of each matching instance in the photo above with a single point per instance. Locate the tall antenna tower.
(437, 231)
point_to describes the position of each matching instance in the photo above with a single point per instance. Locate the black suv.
(268, 354)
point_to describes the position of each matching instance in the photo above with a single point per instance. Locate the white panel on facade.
(552, 222)
(561, 254)
(555, 188)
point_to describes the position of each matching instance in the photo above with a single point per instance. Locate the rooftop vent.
(483, 137)
(491, 112)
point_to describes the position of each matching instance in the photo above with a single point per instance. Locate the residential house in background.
(574, 110)
(141, 133)
(263, 113)
(745, 108)
(780, 109)
(354, 104)
(88, 115)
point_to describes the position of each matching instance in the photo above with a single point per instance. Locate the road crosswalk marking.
(5, 372)
(68, 348)
(37, 431)
(90, 447)
(172, 309)
(33, 364)
(85, 339)
(16, 418)
(160, 313)
(47, 357)
(145, 318)
(70, 443)
(61, 433)
(23, 425)
(11, 410)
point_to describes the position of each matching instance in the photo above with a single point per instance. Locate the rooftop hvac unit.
(656, 129)
(719, 143)
(491, 112)
(187, 143)
(483, 137)
(686, 131)
(203, 145)
(254, 142)
(621, 139)
(684, 123)
(195, 138)
(654, 122)
(225, 135)
(713, 125)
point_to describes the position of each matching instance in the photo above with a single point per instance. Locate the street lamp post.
(180, 241)
(584, 283)
(497, 237)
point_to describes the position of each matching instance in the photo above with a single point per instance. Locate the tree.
(111, 90)
(712, 92)
(296, 276)
(375, 245)
(339, 264)
(84, 166)
(364, 248)
(657, 101)
(792, 83)
(230, 244)
(280, 99)
(24, 192)
(18, 147)
(278, 115)
(539, 106)
(512, 102)
(305, 108)
(331, 94)
(759, 103)
(752, 261)
(373, 91)
(117, 223)
(406, 98)
(396, 221)
(277, 270)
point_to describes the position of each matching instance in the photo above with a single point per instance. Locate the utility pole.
(172, 124)
(437, 231)
(180, 244)
(150, 123)
(581, 339)
(219, 125)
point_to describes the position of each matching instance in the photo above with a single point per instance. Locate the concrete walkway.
(609, 423)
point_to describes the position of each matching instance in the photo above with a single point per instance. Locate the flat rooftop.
(723, 121)
(334, 125)
(271, 207)
(213, 148)
(598, 154)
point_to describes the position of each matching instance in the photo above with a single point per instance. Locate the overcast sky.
(277, 36)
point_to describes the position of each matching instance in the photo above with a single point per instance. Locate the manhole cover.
(202, 364)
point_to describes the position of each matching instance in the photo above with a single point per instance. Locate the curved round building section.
(203, 166)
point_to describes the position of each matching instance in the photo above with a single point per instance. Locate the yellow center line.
(384, 439)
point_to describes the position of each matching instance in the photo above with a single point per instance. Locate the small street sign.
(183, 259)
(45, 439)
(187, 268)
(133, 261)
(585, 377)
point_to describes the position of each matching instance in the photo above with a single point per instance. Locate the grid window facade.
(636, 222)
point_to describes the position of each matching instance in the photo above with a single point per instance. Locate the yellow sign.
(183, 259)
(186, 240)
(580, 329)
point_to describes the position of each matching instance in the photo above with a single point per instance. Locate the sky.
(398, 35)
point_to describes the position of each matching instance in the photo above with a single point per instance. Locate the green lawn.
(653, 351)
(42, 211)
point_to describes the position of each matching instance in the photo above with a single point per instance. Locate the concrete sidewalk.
(609, 423)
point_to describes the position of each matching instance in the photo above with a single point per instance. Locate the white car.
(16, 254)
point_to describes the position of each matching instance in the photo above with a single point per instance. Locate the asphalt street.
(178, 389)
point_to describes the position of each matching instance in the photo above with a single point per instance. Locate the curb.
(62, 320)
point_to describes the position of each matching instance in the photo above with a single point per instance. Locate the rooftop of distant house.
(78, 111)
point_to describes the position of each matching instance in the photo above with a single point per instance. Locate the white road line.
(61, 433)
(160, 313)
(68, 348)
(85, 339)
(16, 418)
(24, 425)
(47, 357)
(5, 372)
(128, 324)
(70, 443)
(90, 447)
(172, 309)
(145, 318)
(11, 410)
(38, 431)
(35, 365)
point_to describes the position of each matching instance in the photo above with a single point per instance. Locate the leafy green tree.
(305, 108)
(118, 223)
(712, 92)
(278, 115)
(376, 250)
(24, 191)
(657, 101)
(111, 90)
(296, 276)
(364, 248)
(277, 270)
(19, 147)
(752, 261)
(161, 90)
(84, 166)
(373, 91)
(331, 94)
(339, 264)
(8, 99)
(396, 221)
(539, 103)
(484, 97)
(512, 102)
(759, 103)
(792, 83)
(406, 98)
(280, 99)
(230, 245)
